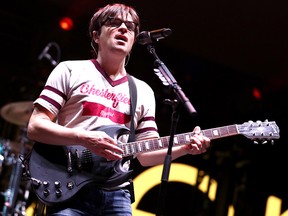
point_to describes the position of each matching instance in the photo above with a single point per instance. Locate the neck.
(114, 68)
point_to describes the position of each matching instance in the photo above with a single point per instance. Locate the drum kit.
(14, 192)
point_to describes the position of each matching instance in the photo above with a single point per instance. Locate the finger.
(112, 155)
(194, 147)
(114, 148)
(196, 141)
(197, 130)
(194, 150)
(109, 144)
(197, 150)
(207, 143)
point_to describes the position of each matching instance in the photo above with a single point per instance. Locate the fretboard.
(134, 148)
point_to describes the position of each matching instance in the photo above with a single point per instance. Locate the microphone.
(148, 37)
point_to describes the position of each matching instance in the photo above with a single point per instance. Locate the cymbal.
(17, 113)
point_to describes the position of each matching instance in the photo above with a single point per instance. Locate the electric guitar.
(58, 172)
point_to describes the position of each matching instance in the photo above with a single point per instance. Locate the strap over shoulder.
(133, 95)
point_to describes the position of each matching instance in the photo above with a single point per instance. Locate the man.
(80, 96)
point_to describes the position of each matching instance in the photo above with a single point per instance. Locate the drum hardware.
(11, 193)
(7, 155)
(15, 195)
(1, 163)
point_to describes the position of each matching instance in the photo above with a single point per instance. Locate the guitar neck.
(134, 148)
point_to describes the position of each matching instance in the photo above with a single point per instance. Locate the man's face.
(117, 34)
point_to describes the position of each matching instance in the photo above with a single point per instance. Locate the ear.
(95, 36)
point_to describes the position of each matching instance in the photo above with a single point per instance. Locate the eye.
(130, 25)
(115, 22)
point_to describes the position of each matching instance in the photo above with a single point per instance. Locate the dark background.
(220, 53)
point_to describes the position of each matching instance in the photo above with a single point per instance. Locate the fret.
(125, 149)
(215, 132)
(161, 140)
(187, 138)
(151, 144)
(232, 130)
(179, 139)
(165, 141)
(224, 131)
(160, 143)
(132, 148)
(155, 144)
(175, 142)
(146, 145)
(208, 133)
(184, 138)
(139, 147)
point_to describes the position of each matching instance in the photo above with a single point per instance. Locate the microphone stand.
(166, 77)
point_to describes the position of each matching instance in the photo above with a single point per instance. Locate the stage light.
(66, 23)
(257, 93)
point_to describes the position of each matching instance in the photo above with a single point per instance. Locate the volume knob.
(57, 184)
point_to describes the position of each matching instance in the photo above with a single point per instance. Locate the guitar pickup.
(86, 159)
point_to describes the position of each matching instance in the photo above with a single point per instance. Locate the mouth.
(121, 38)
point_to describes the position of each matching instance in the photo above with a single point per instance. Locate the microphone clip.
(148, 37)
(45, 53)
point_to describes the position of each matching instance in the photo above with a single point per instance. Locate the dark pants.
(94, 201)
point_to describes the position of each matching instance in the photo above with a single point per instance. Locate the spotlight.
(66, 23)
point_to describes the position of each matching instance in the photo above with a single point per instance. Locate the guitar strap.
(133, 96)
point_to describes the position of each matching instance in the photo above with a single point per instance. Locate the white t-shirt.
(81, 95)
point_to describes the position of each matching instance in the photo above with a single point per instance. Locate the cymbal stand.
(12, 191)
(11, 194)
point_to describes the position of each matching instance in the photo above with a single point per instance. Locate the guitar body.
(56, 180)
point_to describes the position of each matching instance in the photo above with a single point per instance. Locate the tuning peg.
(255, 142)
(259, 122)
(264, 142)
